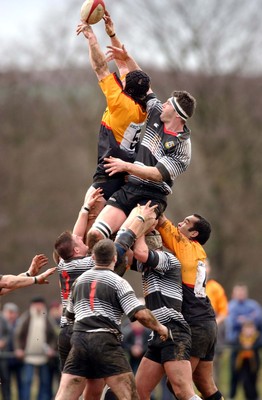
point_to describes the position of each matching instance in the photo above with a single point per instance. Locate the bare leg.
(203, 378)
(110, 216)
(93, 389)
(71, 387)
(148, 375)
(123, 386)
(179, 374)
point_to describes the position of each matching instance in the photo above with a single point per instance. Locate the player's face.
(167, 112)
(80, 245)
(187, 224)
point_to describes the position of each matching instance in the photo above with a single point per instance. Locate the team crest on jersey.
(170, 144)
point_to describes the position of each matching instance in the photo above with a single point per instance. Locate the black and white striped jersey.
(99, 298)
(168, 151)
(68, 272)
(162, 286)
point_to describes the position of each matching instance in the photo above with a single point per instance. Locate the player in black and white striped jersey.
(97, 302)
(162, 288)
(164, 153)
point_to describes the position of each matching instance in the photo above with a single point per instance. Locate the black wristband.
(87, 209)
(141, 218)
(35, 280)
(27, 274)
(112, 35)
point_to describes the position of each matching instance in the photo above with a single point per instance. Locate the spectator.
(242, 309)
(55, 312)
(35, 343)
(14, 365)
(4, 334)
(247, 359)
(135, 343)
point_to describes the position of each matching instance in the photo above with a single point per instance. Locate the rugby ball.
(92, 11)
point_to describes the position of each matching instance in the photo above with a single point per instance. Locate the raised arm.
(115, 41)
(80, 227)
(120, 54)
(8, 283)
(97, 57)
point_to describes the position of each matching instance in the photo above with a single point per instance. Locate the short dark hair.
(64, 245)
(104, 252)
(186, 101)
(203, 227)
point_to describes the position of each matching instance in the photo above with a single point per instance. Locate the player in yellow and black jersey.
(186, 242)
(125, 114)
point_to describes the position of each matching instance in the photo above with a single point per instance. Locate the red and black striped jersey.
(99, 298)
(69, 271)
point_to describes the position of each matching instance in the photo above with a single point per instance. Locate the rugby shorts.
(96, 355)
(204, 338)
(130, 195)
(175, 348)
(64, 345)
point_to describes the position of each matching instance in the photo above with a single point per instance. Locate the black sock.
(215, 396)
(110, 395)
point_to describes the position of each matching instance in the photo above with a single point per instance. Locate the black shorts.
(130, 195)
(204, 337)
(64, 345)
(96, 355)
(109, 185)
(175, 349)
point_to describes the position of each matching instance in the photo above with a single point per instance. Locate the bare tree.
(202, 35)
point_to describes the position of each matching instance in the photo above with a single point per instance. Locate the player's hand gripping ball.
(92, 11)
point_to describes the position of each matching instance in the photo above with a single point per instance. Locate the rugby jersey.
(68, 272)
(217, 297)
(192, 256)
(168, 151)
(99, 298)
(121, 125)
(162, 287)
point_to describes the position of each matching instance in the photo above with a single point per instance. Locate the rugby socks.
(215, 396)
(125, 238)
(195, 397)
(103, 228)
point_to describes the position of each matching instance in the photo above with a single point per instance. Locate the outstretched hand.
(37, 263)
(116, 53)
(147, 211)
(84, 28)
(42, 278)
(109, 26)
(93, 197)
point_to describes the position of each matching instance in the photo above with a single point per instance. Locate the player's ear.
(193, 234)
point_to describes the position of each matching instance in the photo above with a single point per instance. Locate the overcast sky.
(21, 16)
(22, 33)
